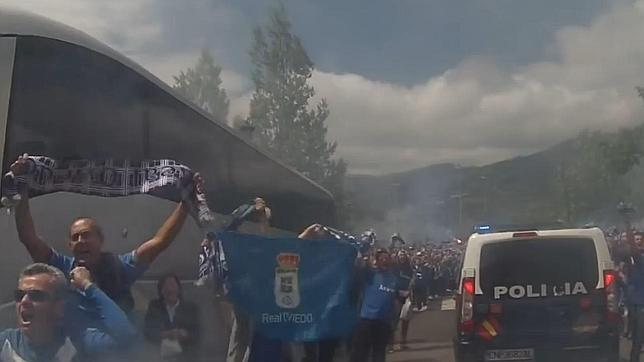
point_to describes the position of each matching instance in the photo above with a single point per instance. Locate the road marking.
(448, 304)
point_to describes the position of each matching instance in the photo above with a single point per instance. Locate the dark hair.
(163, 279)
(381, 251)
(59, 279)
(95, 225)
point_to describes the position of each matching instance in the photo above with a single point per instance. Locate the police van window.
(537, 262)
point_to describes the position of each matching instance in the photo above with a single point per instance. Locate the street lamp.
(460, 206)
(485, 196)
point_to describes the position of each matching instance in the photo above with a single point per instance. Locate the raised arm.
(39, 250)
(147, 252)
(115, 328)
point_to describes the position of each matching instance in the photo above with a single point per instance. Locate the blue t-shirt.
(380, 292)
(126, 271)
(127, 262)
(117, 286)
(114, 335)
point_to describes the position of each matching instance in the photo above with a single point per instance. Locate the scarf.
(212, 262)
(166, 179)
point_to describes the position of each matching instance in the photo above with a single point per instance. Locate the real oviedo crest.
(287, 289)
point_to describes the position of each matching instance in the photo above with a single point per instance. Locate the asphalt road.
(430, 335)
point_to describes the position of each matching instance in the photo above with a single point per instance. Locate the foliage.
(285, 122)
(201, 84)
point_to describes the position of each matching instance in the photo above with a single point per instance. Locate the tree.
(587, 177)
(285, 122)
(202, 85)
(627, 148)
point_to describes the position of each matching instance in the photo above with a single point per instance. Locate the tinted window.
(538, 261)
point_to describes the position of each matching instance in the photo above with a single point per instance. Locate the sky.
(410, 83)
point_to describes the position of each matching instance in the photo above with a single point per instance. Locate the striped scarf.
(212, 261)
(166, 179)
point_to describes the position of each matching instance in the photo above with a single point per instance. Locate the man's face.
(638, 240)
(85, 242)
(38, 311)
(170, 291)
(383, 260)
(403, 257)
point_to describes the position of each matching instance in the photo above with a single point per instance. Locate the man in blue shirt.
(381, 289)
(113, 274)
(635, 293)
(43, 336)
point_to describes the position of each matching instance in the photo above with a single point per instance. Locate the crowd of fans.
(627, 251)
(78, 305)
(430, 272)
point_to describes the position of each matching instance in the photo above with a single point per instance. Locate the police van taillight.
(467, 306)
(610, 288)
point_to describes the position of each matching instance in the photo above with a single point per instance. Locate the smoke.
(414, 224)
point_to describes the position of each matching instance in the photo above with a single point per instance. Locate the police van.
(537, 295)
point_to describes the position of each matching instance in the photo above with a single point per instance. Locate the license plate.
(509, 354)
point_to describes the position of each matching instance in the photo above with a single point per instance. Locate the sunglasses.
(33, 294)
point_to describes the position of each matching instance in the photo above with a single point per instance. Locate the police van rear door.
(539, 291)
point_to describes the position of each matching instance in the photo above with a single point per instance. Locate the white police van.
(537, 295)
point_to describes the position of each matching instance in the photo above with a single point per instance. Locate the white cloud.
(129, 21)
(476, 112)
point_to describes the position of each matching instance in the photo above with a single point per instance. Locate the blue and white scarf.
(212, 261)
(166, 179)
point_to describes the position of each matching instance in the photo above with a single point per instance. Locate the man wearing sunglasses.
(41, 334)
(114, 274)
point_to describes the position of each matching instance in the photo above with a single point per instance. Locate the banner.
(166, 179)
(293, 289)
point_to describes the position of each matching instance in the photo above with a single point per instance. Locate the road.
(430, 335)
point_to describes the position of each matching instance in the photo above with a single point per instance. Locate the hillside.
(427, 202)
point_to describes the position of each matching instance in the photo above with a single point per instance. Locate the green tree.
(626, 148)
(280, 109)
(588, 178)
(201, 84)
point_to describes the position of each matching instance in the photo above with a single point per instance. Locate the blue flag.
(294, 289)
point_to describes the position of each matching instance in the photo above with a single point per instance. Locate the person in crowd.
(638, 239)
(172, 323)
(622, 250)
(434, 265)
(635, 291)
(41, 334)
(114, 274)
(324, 350)
(442, 271)
(242, 332)
(396, 241)
(381, 291)
(420, 283)
(402, 317)
(624, 268)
